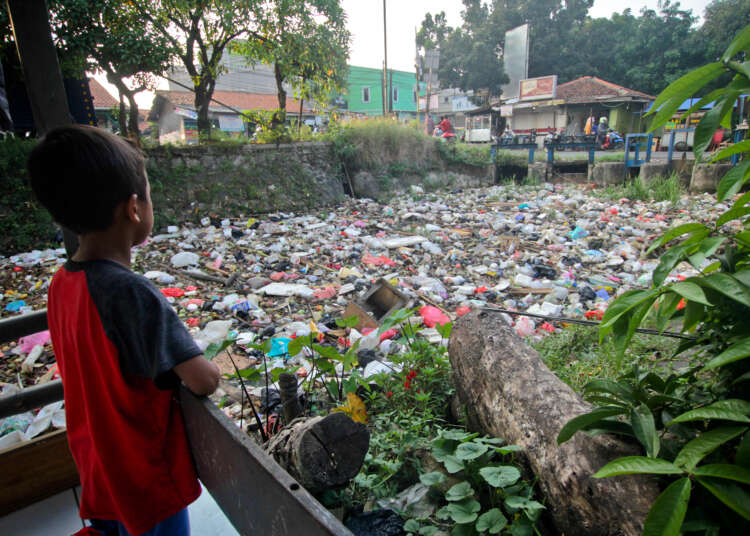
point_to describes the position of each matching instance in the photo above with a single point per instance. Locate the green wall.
(365, 77)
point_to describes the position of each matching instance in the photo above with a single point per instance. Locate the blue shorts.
(177, 525)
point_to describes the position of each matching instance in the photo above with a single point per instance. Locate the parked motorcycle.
(613, 141)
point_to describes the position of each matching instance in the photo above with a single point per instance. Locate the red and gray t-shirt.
(116, 340)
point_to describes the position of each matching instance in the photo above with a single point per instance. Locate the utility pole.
(386, 108)
(416, 75)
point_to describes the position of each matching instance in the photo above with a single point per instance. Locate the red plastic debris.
(277, 276)
(461, 311)
(192, 322)
(377, 261)
(595, 314)
(325, 293)
(173, 292)
(547, 327)
(388, 334)
(682, 304)
(17, 269)
(480, 290)
(433, 316)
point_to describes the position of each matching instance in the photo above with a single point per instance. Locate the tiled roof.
(102, 97)
(593, 89)
(235, 99)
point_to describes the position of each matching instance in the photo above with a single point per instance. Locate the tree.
(722, 19)
(307, 44)
(200, 30)
(109, 36)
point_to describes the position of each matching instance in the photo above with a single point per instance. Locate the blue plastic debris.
(603, 294)
(15, 306)
(578, 232)
(279, 346)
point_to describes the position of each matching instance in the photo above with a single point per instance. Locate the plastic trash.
(27, 343)
(524, 326)
(287, 289)
(433, 316)
(214, 332)
(15, 306)
(184, 258)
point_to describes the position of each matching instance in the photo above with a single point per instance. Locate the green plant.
(660, 189)
(714, 305)
(486, 495)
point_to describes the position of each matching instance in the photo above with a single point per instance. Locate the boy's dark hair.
(81, 173)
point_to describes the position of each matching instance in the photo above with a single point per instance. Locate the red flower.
(682, 304)
(389, 394)
(412, 374)
(407, 384)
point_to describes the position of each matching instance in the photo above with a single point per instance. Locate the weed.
(660, 189)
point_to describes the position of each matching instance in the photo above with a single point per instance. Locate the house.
(239, 88)
(452, 103)
(364, 92)
(569, 105)
(105, 106)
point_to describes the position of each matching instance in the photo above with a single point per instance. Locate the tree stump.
(508, 392)
(321, 452)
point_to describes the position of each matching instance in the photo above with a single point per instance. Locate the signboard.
(231, 123)
(429, 64)
(462, 104)
(506, 110)
(544, 87)
(184, 112)
(515, 59)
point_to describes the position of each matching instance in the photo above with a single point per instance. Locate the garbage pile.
(551, 249)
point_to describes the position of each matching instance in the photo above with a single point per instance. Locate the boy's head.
(83, 174)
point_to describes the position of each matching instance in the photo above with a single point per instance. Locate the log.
(321, 453)
(508, 392)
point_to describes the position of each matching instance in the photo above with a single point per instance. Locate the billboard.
(544, 87)
(515, 59)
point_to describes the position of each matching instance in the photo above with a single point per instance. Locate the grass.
(575, 355)
(661, 189)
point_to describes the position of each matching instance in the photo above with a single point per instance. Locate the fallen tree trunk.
(321, 452)
(508, 392)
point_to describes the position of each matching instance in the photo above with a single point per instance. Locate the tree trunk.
(321, 452)
(122, 119)
(203, 94)
(134, 132)
(129, 119)
(280, 91)
(509, 392)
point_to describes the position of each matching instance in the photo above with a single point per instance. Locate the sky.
(365, 22)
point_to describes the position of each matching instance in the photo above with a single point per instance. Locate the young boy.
(120, 347)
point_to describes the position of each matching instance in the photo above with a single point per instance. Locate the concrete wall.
(188, 183)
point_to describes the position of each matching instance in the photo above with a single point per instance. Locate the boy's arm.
(199, 375)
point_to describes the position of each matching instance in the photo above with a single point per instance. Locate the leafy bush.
(702, 415)
(661, 189)
(24, 223)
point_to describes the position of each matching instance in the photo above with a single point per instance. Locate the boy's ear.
(131, 209)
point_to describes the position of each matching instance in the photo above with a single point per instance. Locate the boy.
(120, 347)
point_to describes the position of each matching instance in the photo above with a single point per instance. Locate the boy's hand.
(199, 375)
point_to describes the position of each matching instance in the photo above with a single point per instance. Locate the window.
(395, 94)
(414, 96)
(365, 94)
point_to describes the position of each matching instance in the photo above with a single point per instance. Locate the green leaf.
(432, 479)
(411, 525)
(464, 511)
(668, 511)
(470, 450)
(507, 449)
(428, 530)
(700, 447)
(623, 304)
(740, 43)
(587, 419)
(459, 492)
(729, 185)
(737, 351)
(728, 286)
(619, 390)
(675, 232)
(710, 122)
(500, 476)
(729, 493)
(632, 465)
(645, 430)
(444, 330)
(329, 352)
(532, 509)
(735, 213)
(215, 348)
(492, 521)
(694, 313)
(671, 258)
(726, 471)
(742, 457)
(348, 322)
(295, 346)
(463, 529)
(737, 148)
(690, 291)
(457, 435)
(718, 411)
(443, 447)
(453, 465)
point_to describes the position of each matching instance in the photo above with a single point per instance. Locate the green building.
(364, 92)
